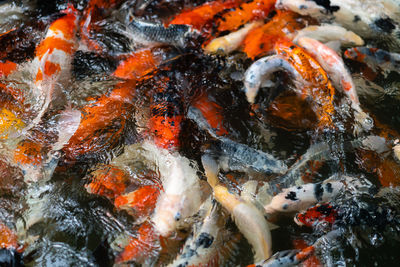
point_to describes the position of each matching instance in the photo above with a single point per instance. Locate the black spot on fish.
(327, 5)
(292, 47)
(177, 216)
(292, 196)
(262, 46)
(386, 25)
(318, 192)
(325, 209)
(285, 206)
(329, 188)
(299, 187)
(205, 240)
(356, 18)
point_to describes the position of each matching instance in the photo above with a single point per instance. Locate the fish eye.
(177, 216)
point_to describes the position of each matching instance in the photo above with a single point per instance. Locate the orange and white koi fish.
(249, 220)
(209, 244)
(231, 42)
(326, 33)
(54, 57)
(309, 78)
(333, 64)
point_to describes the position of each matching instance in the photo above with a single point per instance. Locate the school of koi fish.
(195, 133)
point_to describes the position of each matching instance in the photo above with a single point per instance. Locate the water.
(71, 206)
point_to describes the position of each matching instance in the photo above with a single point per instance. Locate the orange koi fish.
(200, 16)
(261, 41)
(54, 56)
(317, 85)
(246, 12)
(212, 113)
(104, 120)
(140, 247)
(108, 181)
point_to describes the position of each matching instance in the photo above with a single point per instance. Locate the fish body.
(326, 33)
(232, 41)
(54, 56)
(249, 221)
(286, 258)
(341, 78)
(181, 194)
(299, 198)
(320, 213)
(209, 245)
(374, 57)
(149, 33)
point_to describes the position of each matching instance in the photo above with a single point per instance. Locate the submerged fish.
(340, 76)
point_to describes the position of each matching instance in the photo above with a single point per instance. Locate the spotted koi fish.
(54, 57)
(340, 76)
(210, 245)
(286, 258)
(374, 57)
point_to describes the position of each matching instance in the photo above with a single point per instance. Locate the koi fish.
(298, 198)
(326, 33)
(245, 13)
(374, 57)
(181, 196)
(261, 40)
(262, 70)
(54, 57)
(249, 220)
(150, 33)
(286, 258)
(367, 18)
(108, 181)
(203, 14)
(209, 244)
(320, 213)
(104, 120)
(230, 42)
(333, 64)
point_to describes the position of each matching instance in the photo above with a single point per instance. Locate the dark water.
(61, 224)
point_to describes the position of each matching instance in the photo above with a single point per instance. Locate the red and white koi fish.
(320, 213)
(333, 64)
(54, 57)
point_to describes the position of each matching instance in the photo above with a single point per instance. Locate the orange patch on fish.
(312, 261)
(317, 85)
(51, 43)
(9, 122)
(108, 181)
(51, 68)
(142, 201)
(65, 25)
(141, 246)
(166, 130)
(261, 40)
(8, 239)
(255, 10)
(136, 65)
(212, 112)
(28, 153)
(7, 67)
(199, 16)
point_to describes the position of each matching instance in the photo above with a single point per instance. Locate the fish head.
(170, 211)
